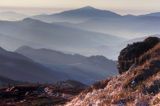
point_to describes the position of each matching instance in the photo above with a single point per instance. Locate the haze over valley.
(87, 31)
(79, 53)
(79, 44)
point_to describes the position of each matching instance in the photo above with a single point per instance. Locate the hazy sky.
(51, 6)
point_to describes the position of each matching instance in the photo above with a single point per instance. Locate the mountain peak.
(87, 12)
(27, 19)
(24, 48)
(88, 8)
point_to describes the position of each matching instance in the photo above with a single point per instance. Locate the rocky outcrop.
(139, 86)
(129, 56)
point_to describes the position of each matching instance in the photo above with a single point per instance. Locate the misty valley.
(79, 57)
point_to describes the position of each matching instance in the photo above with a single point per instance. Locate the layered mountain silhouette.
(65, 50)
(103, 21)
(96, 30)
(92, 19)
(35, 33)
(106, 22)
(17, 67)
(137, 86)
(49, 66)
(76, 67)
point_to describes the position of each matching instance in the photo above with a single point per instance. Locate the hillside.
(17, 67)
(40, 95)
(6, 81)
(139, 85)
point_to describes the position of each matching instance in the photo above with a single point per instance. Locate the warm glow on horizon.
(120, 6)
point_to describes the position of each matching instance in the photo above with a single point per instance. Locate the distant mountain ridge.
(17, 67)
(92, 19)
(88, 11)
(99, 30)
(64, 35)
(36, 33)
(77, 15)
(77, 67)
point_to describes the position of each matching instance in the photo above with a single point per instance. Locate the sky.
(52, 6)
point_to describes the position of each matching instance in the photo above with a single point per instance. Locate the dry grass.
(129, 88)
